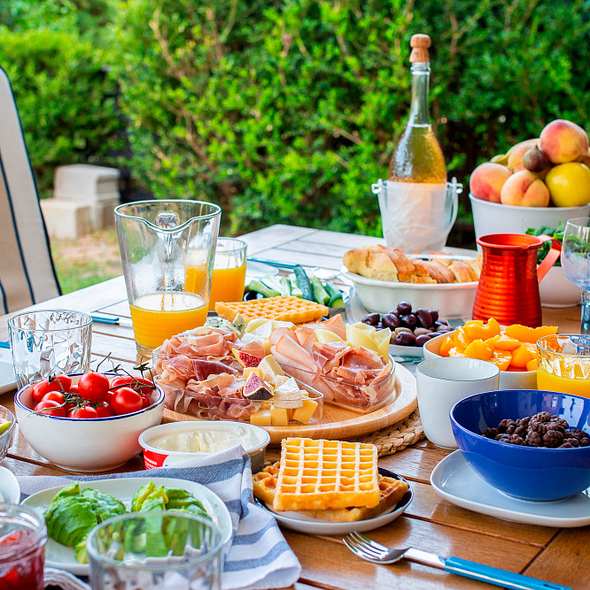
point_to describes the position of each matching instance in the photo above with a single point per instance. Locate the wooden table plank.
(565, 561)
(431, 523)
(405, 532)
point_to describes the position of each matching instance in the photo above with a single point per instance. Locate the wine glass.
(575, 260)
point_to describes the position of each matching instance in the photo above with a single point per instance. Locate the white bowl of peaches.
(538, 182)
(512, 348)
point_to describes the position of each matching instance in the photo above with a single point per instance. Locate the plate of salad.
(72, 511)
(300, 283)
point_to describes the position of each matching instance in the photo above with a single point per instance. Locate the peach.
(525, 189)
(563, 141)
(487, 180)
(516, 154)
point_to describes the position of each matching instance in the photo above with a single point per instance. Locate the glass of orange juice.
(564, 364)
(160, 242)
(229, 271)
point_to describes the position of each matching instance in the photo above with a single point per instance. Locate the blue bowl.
(526, 473)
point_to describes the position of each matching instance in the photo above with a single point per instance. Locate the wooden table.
(431, 524)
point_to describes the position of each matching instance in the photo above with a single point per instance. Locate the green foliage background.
(286, 111)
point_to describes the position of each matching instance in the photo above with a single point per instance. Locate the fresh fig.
(535, 160)
(245, 359)
(256, 389)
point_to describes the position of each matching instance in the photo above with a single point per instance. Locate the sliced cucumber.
(295, 290)
(336, 301)
(260, 287)
(320, 294)
(286, 286)
(332, 290)
(303, 282)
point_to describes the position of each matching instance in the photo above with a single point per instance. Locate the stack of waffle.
(330, 480)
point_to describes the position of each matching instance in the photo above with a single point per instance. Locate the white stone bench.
(84, 199)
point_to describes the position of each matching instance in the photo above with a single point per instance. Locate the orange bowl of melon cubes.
(512, 348)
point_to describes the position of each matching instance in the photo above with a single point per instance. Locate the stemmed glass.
(575, 260)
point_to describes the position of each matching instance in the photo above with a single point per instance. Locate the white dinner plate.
(315, 526)
(62, 557)
(455, 481)
(7, 380)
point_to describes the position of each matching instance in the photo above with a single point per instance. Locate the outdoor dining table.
(430, 523)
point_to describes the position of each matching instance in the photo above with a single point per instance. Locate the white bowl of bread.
(385, 276)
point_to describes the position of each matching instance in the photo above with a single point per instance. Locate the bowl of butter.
(169, 444)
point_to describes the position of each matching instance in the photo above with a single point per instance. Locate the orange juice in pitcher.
(167, 249)
(158, 316)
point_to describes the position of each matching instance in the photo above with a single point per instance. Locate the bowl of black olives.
(410, 328)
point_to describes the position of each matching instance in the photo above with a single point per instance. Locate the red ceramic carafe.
(508, 287)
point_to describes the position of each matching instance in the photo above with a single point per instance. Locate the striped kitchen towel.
(257, 555)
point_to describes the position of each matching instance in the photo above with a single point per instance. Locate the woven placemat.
(396, 437)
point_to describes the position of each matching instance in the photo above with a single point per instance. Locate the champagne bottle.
(418, 157)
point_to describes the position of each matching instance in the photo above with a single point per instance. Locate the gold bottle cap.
(420, 44)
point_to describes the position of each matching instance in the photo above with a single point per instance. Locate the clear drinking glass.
(49, 342)
(575, 260)
(155, 551)
(167, 249)
(229, 271)
(22, 554)
(564, 364)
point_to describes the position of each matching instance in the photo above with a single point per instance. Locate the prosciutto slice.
(205, 343)
(349, 376)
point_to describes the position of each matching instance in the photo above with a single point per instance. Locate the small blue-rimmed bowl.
(528, 473)
(89, 445)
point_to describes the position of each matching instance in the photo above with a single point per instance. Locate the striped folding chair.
(27, 274)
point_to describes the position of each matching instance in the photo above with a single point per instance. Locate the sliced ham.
(350, 376)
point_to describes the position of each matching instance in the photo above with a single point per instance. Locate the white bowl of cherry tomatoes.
(88, 422)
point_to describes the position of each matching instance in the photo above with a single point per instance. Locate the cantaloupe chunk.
(478, 350)
(520, 357)
(446, 345)
(505, 343)
(502, 359)
(532, 365)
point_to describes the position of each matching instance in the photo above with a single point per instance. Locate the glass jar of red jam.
(22, 548)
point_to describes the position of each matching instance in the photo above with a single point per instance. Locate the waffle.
(285, 308)
(391, 492)
(326, 474)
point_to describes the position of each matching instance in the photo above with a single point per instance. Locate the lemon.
(569, 184)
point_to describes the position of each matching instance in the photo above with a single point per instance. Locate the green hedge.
(62, 94)
(287, 111)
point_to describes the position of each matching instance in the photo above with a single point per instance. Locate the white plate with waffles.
(315, 526)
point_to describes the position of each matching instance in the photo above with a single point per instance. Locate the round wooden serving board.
(339, 423)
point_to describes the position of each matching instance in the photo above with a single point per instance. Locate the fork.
(377, 553)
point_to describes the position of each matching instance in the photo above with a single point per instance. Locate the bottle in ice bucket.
(417, 208)
(418, 157)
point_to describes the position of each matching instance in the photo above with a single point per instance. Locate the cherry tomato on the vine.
(104, 410)
(84, 412)
(93, 386)
(58, 383)
(146, 401)
(125, 401)
(117, 382)
(50, 408)
(147, 388)
(56, 396)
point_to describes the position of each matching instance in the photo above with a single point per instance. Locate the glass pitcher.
(167, 249)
